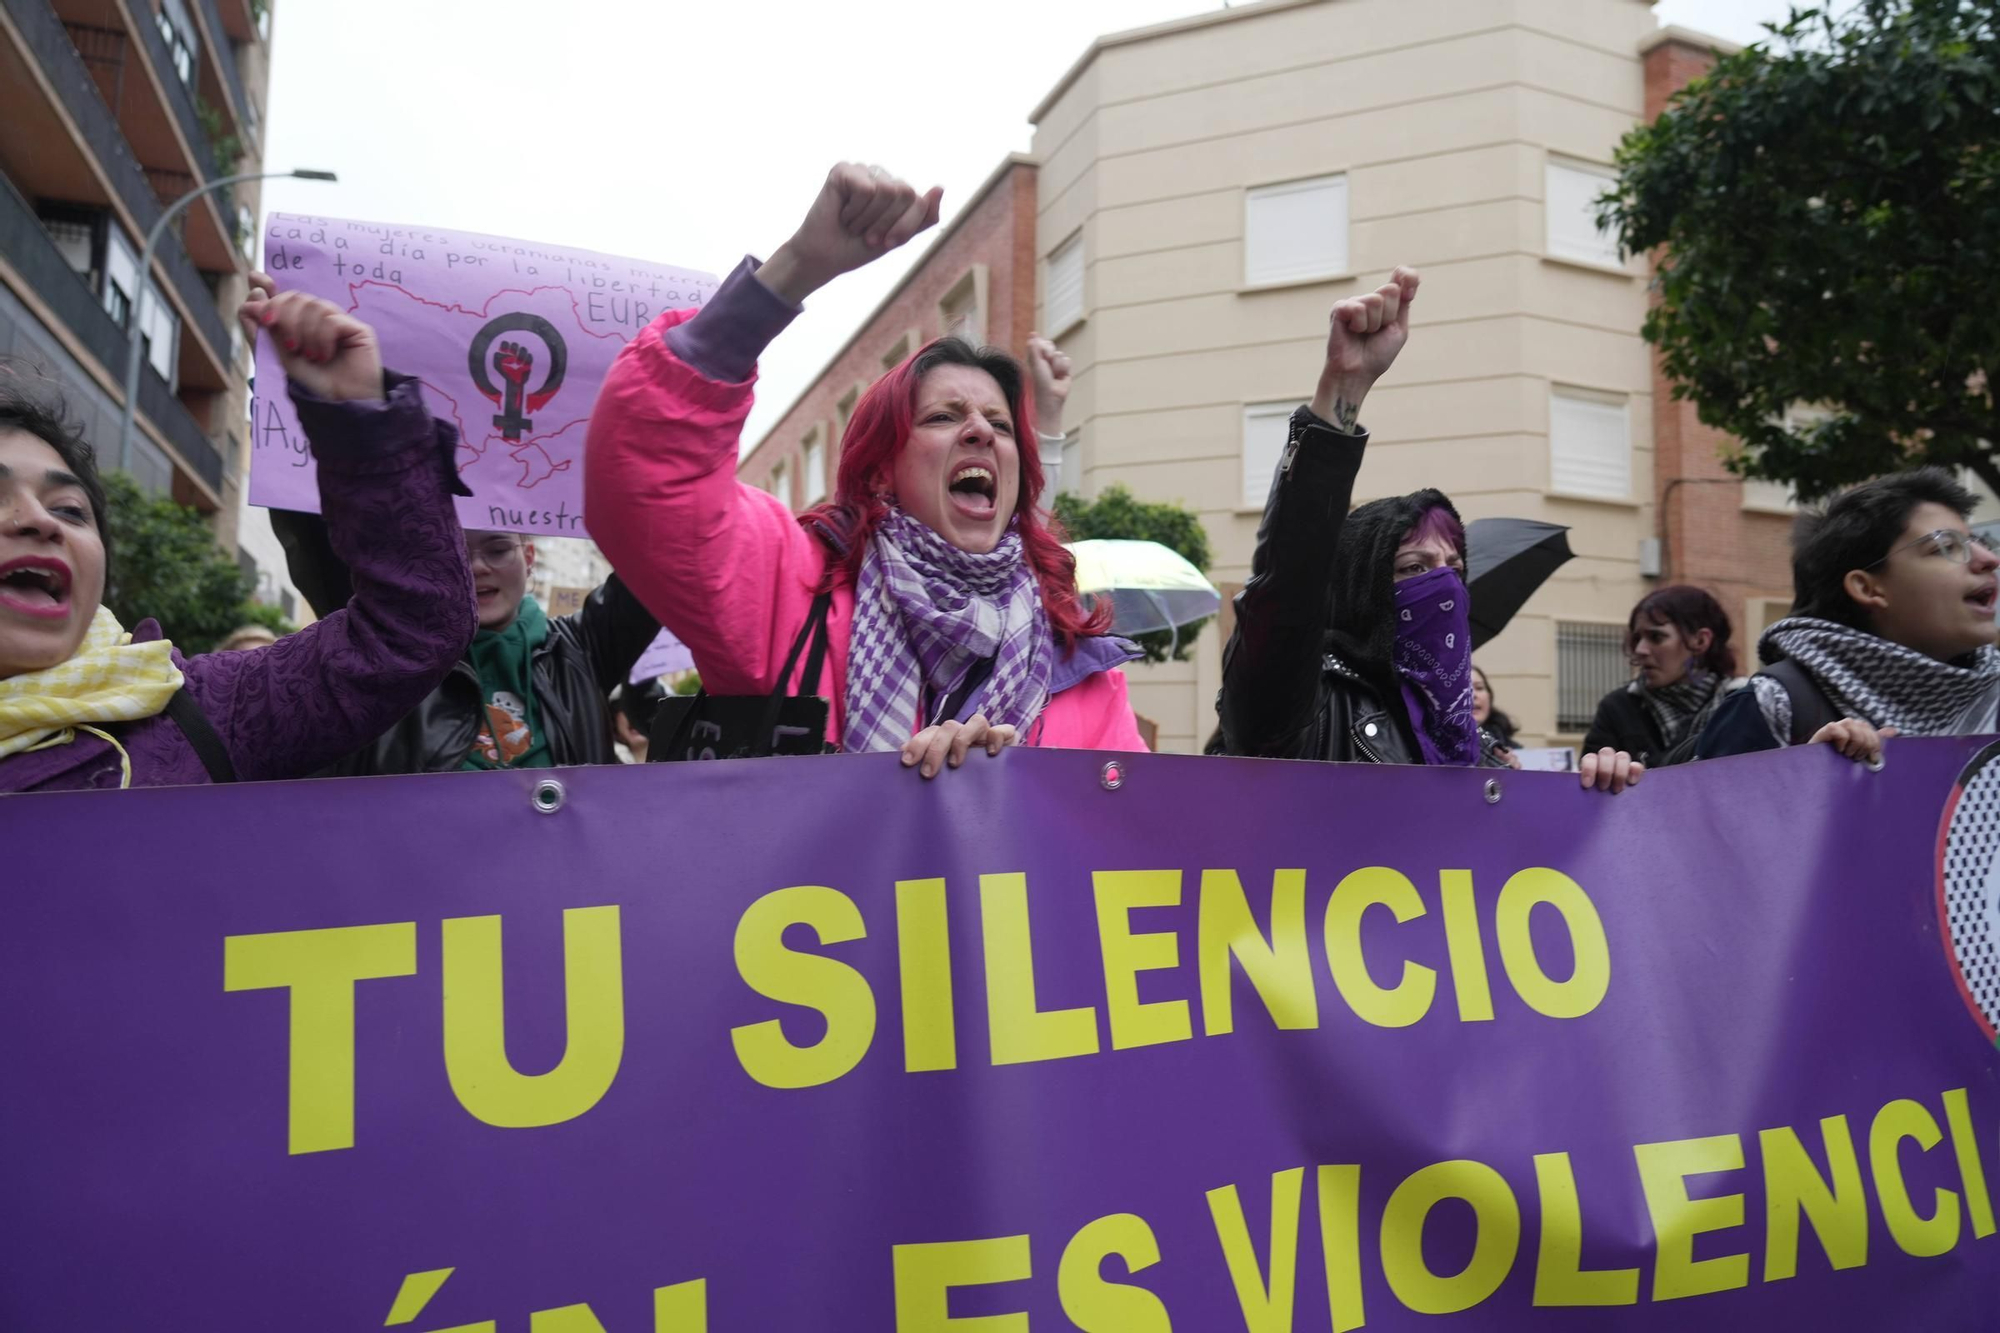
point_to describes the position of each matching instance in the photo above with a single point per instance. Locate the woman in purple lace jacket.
(84, 704)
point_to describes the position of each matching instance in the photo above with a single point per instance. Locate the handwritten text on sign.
(510, 338)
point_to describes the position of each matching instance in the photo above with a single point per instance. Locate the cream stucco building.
(1204, 190)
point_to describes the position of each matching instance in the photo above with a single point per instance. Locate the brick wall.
(1743, 556)
(992, 241)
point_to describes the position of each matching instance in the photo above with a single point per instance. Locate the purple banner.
(510, 338)
(813, 1044)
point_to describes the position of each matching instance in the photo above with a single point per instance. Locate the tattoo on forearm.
(1345, 415)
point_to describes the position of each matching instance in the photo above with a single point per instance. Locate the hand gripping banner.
(1193, 1044)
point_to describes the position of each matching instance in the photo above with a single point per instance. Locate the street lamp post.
(132, 334)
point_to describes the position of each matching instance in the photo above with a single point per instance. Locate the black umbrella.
(1510, 558)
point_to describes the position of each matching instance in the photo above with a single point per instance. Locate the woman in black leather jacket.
(1352, 640)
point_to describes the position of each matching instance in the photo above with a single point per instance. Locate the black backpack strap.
(201, 737)
(1811, 709)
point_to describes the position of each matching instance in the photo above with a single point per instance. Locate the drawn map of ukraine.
(522, 421)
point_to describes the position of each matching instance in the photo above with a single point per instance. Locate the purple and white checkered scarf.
(925, 613)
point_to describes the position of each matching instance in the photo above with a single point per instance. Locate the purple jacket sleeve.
(386, 480)
(724, 340)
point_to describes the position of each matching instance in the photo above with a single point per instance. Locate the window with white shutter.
(815, 468)
(1062, 285)
(1069, 473)
(1265, 428)
(1570, 198)
(1295, 231)
(1590, 444)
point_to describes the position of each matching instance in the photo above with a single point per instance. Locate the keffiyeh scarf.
(925, 613)
(1867, 676)
(1681, 705)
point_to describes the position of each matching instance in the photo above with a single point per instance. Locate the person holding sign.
(951, 614)
(532, 689)
(84, 703)
(1353, 639)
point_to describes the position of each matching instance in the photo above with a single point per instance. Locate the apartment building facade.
(110, 111)
(1205, 190)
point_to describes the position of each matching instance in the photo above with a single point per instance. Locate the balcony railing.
(49, 46)
(34, 255)
(181, 98)
(225, 56)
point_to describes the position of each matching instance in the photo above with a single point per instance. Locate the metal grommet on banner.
(1112, 776)
(1492, 791)
(548, 796)
(1878, 763)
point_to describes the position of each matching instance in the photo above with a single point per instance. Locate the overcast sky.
(684, 133)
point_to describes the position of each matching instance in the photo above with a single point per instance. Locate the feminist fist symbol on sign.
(513, 361)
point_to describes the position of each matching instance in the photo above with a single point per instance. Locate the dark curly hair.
(45, 415)
(1857, 530)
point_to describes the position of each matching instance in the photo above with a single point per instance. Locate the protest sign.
(511, 340)
(1206, 1044)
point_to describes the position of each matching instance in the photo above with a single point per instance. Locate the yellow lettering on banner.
(1971, 1171)
(1497, 1218)
(1468, 951)
(681, 1308)
(320, 968)
(1127, 954)
(1560, 1278)
(1021, 1033)
(568, 1319)
(923, 954)
(1340, 1244)
(1924, 1237)
(1408, 1000)
(807, 980)
(1584, 991)
(1793, 1185)
(1096, 1305)
(475, 1025)
(1280, 969)
(925, 1275)
(1677, 1219)
(1267, 1304)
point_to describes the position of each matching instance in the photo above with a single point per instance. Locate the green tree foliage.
(1827, 205)
(1116, 515)
(165, 565)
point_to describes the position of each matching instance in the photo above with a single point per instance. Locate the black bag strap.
(201, 737)
(813, 631)
(1811, 709)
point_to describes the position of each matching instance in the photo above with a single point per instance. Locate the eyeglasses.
(1950, 543)
(494, 553)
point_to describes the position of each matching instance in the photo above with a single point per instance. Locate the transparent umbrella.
(1149, 586)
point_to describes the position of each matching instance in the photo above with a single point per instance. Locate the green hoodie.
(507, 688)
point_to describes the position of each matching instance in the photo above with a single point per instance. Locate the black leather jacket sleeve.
(614, 630)
(1271, 667)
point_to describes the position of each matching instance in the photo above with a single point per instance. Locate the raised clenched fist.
(860, 214)
(1364, 335)
(1053, 381)
(514, 361)
(323, 348)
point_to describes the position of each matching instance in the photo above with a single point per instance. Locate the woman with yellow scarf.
(87, 703)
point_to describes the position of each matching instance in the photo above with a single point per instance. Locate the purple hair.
(1438, 521)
